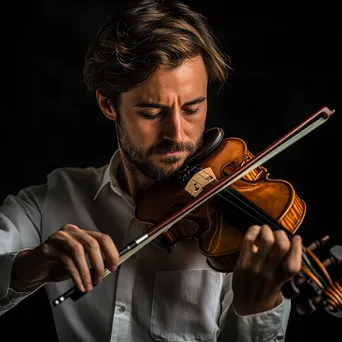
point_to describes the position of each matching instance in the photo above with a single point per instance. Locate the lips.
(174, 153)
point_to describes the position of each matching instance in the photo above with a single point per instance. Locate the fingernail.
(113, 268)
(298, 237)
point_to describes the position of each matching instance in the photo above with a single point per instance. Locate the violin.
(220, 192)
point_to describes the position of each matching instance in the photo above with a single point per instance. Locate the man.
(149, 68)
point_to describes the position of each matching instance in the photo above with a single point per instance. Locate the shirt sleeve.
(266, 326)
(20, 228)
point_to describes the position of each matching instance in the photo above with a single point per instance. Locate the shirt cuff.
(267, 326)
(6, 264)
(8, 295)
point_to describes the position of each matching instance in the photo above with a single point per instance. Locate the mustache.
(167, 146)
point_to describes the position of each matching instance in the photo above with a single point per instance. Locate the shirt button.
(121, 308)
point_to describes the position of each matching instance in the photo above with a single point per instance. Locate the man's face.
(161, 122)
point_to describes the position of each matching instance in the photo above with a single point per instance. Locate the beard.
(140, 160)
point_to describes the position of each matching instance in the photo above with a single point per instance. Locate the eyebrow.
(159, 105)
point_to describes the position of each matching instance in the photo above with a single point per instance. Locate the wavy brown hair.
(149, 34)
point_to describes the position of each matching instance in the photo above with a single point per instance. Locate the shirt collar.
(110, 175)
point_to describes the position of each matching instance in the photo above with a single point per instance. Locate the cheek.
(195, 126)
(142, 133)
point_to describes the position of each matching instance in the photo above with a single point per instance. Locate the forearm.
(245, 307)
(22, 279)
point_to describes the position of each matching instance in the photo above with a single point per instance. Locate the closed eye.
(155, 116)
(189, 108)
(192, 111)
(150, 116)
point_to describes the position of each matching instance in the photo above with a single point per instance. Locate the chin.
(171, 169)
(170, 163)
(167, 165)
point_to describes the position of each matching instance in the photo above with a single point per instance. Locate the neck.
(131, 180)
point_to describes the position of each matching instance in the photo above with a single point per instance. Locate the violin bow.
(298, 132)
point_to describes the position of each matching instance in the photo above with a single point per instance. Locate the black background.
(285, 69)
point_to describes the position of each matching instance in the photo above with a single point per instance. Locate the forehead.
(185, 82)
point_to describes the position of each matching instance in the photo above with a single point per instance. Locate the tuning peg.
(335, 256)
(331, 299)
(336, 253)
(306, 307)
(318, 243)
(309, 307)
(290, 289)
(330, 296)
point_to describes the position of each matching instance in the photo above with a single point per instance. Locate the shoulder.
(61, 183)
(76, 176)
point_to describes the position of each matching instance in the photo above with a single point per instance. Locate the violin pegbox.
(313, 286)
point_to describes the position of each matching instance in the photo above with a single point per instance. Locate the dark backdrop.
(285, 69)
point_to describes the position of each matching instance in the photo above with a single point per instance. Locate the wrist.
(21, 279)
(249, 307)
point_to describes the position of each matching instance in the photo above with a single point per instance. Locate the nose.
(173, 126)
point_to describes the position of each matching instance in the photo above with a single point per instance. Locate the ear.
(106, 106)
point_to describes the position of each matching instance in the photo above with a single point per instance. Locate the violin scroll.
(314, 286)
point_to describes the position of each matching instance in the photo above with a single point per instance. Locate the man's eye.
(150, 116)
(153, 116)
(191, 111)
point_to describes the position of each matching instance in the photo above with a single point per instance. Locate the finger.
(76, 250)
(110, 252)
(265, 245)
(107, 246)
(279, 251)
(92, 248)
(65, 241)
(293, 260)
(248, 244)
(71, 268)
(65, 265)
(93, 251)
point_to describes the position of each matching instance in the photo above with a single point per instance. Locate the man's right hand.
(64, 255)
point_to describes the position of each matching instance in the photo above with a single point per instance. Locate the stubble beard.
(139, 160)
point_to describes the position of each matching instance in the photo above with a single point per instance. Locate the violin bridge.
(199, 180)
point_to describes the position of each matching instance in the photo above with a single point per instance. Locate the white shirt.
(153, 296)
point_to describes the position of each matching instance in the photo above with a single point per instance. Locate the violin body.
(217, 195)
(217, 225)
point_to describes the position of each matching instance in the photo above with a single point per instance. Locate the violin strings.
(272, 223)
(261, 220)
